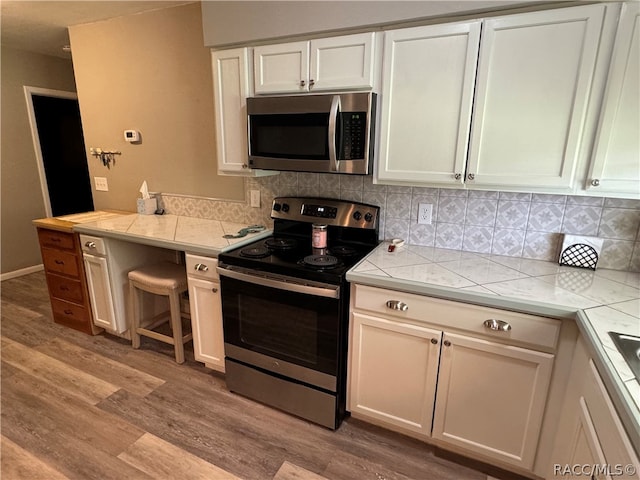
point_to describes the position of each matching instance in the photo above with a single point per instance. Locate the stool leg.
(176, 325)
(135, 315)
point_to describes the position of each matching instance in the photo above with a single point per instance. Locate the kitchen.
(177, 136)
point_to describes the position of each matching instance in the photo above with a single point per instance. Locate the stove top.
(352, 233)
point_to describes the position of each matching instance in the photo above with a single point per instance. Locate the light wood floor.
(81, 407)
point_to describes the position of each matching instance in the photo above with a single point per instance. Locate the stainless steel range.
(285, 306)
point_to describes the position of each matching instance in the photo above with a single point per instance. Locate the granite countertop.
(599, 301)
(193, 235)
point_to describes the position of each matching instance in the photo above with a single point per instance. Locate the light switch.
(101, 184)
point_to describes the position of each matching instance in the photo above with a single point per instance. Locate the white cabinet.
(205, 305)
(230, 92)
(427, 93)
(534, 78)
(590, 432)
(335, 63)
(397, 367)
(508, 386)
(504, 111)
(97, 273)
(616, 164)
(491, 385)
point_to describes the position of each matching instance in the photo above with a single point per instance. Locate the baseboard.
(21, 272)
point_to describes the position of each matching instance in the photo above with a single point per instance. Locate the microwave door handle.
(333, 120)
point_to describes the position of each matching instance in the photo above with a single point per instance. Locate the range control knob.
(285, 207)
(357, 216)
(368, 217)
(276, 207)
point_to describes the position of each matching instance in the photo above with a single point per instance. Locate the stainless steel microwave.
(332, 133)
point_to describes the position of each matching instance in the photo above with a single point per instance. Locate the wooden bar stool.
(166, 279)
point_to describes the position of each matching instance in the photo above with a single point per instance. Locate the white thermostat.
(132, 136)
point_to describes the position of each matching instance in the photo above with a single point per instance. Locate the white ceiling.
(41, 26)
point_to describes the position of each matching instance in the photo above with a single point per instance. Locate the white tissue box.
(147, 206)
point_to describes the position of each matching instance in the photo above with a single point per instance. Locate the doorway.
(59, 144)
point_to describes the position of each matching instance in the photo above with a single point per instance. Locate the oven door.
(282, 325)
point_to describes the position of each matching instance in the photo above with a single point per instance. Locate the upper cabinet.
(534, 77)
(336, 63)
(509, 111)
(615, 166)
(428, 76)
(230, 92)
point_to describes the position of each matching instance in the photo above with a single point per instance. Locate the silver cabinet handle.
(302, 83)
(595, 182)
(90, 245)
(447, 343)
(312, 82)
(434, 341)
(397, 305)
(471, 176)
(200, 267)
(497, 325)
(457, 176)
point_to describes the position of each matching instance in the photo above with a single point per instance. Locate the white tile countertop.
(194, 235)
(599, 301)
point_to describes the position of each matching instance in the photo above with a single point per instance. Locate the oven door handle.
(328, 291)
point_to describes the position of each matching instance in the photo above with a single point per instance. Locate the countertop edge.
(88, 229)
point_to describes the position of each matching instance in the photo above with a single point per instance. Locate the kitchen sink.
(629, 347)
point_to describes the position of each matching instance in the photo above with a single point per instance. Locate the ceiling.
(41, 26)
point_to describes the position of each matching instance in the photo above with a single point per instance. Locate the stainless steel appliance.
(331, 133)
(285, 307)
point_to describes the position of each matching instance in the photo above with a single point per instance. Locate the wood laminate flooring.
(76, 406)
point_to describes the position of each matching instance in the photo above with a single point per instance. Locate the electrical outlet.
(101, 184)
(255, 198)
(425, 212)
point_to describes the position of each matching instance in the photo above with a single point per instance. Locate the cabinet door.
(534, 78)
(491, 398)
(206, 322)
(615, 166)
(393, 372)
(231, 87)
(97, 274)
(427, 93)
(585, 448)
(282, 68)
(342, 62)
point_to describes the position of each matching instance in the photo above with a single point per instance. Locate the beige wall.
(149, 72)
(22, 199)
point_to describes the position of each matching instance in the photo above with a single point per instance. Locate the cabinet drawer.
(202, 267)
(527, 329)
(56, 239)
(94, 245)
(58, 261)
(69, 312)
(65, 288)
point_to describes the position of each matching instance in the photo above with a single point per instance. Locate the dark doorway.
(63, 154)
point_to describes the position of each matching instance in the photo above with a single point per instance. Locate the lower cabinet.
(205, 305)
(439, 370)
(590, 432)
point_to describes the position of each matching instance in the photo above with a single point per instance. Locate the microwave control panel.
(354, 125)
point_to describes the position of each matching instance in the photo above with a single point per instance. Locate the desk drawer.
(65, 288)
(58, 261)
(446, 314)
(56, 239)
(69, 313)
(202, 267)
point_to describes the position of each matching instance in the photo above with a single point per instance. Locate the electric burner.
(321, 262)
(255, 252)
(279, 243)
(343, 251)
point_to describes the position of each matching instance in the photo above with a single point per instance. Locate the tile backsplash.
(503, 223)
